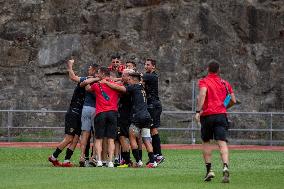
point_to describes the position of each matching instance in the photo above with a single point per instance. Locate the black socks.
(135, 153)
(56, 152)
(156, 142)
(208, 167)
(69, 153)
(151, 157)
(140, 154)
(126, 157)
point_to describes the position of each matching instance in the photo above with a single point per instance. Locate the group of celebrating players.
(119, 108)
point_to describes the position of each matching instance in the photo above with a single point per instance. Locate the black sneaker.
(209, 176)
(82, 162)
(93, 162)
(226, 175)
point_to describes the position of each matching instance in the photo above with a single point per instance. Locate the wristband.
(197, 111)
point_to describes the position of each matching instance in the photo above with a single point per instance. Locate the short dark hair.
(94, 65)
(105, 71)
(130, 61)
(115, 56)
(153, 62)
(213, 66)
(136, 75)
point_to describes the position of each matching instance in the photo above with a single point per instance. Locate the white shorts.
(144, 132)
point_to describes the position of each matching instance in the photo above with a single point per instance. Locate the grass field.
(29, 168)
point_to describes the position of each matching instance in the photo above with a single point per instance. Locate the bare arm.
(117, 79)
(115, 86)
(201, 98)
(200, 101)
(72, 75)
(88, 88)
(233, 98)
(89, 81)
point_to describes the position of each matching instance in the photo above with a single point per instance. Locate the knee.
(69, 139)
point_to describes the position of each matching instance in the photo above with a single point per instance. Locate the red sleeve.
(202, 83)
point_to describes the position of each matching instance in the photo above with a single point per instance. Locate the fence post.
(193, 139)
(9, 124)
(271, 128)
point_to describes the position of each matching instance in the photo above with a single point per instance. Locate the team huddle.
(119, 109)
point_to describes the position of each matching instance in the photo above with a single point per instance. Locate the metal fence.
(264, 128)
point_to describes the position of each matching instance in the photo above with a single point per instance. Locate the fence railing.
(268, 125)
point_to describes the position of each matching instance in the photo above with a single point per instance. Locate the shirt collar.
(213, 75)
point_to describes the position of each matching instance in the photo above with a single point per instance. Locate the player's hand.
(197, 117)
(70, 63)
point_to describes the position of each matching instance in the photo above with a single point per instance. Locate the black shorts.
(142, 119)
(155, 111)
(106, 125)
(123, 126)
(214, 127)
(72, 124)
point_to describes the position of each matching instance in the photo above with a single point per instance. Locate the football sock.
(56, 152)
(87, 150)
(208, 167)
(140, 154)
(69, 153)
(151, 157)
(135, 153)
(156, 142)
(126, 157)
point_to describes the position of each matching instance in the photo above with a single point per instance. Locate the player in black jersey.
(124, 120)
(141, 119)
(150, 79)
(72, 122)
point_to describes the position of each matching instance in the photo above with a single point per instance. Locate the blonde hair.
(128, 71)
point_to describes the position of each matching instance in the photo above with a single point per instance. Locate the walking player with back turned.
(212, 114)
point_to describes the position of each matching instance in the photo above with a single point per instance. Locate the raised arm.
(72, 75)
(114, 86)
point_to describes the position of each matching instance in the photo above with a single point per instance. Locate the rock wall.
(246, 36)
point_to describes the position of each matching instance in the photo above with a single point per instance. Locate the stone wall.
(246, 36)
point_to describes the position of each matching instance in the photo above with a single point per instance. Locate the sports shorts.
(214, 127)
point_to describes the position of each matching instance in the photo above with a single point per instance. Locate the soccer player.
(211, 112)
(141, 119)
(130, 65)
(116, 65)
(88, 113)
(72, 120)
(124, 120)
(106, 115)
(150, 79)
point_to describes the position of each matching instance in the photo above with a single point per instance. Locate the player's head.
(150, 65)
(134, 78)
(213, 66)
(130, 65)
(103, 72)
(115, 61)
(125, 75)
(93, 68)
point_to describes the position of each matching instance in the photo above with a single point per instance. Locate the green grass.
(29, 168)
